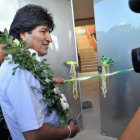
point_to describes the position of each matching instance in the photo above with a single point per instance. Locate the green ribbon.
(99, 75)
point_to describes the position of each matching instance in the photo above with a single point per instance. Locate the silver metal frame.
(76, 52)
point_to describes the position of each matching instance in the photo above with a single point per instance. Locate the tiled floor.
(91, 117)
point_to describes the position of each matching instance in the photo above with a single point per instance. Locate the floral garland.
(27, 59)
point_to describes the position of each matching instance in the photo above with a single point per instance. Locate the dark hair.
(1, 33)
(29, 17)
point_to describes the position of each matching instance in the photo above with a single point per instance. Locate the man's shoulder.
(6, 68)
(6, 74)
(6, 71)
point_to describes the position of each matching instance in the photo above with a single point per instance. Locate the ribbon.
(105, 72)
(73, 74)
(99, 75)
(105, 67)
(70, 62)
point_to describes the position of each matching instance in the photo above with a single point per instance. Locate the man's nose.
(48, 37)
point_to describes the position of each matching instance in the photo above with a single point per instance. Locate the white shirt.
(23, 108)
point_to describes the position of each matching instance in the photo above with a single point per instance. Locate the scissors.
(75, 120)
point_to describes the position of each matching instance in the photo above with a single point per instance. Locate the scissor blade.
(78, 116)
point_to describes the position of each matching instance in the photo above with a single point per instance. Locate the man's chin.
(42, 54)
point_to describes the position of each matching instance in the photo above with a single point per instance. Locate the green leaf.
(50, 77)
(34, 54)
(26, 46)
(15, 68)
(32, 87)
(43, 74)
(10, 39)
(13, 73)
(44, 60)
(10, 62)
(6, 32)
(53, 101)
(7, 58)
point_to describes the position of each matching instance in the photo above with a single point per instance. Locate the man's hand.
(74, 129)
(48, 132)
(58, 80)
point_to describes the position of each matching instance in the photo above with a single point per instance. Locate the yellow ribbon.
(71, 62)
(103, 78)
(75, 91)
(75, 83)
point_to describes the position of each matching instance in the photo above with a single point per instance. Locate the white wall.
(7, 12)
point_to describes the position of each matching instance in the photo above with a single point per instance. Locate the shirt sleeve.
(26, 106)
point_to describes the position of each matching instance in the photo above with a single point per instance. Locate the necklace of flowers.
(27, 59)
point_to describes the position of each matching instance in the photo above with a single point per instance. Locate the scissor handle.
(73, 120)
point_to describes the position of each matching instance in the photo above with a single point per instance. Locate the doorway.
(87, 48)
(86, 40)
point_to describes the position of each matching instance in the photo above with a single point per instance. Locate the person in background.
(4, 133)
(25, 113)
(132, 130)
(2, 52)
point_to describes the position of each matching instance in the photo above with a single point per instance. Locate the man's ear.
(23, 36)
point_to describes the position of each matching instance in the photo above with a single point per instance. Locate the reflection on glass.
(54, 44)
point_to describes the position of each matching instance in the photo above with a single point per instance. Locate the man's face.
(39, 39)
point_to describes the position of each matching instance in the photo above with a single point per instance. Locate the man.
(25, 113)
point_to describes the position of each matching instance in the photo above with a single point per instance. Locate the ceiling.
(84, 11)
